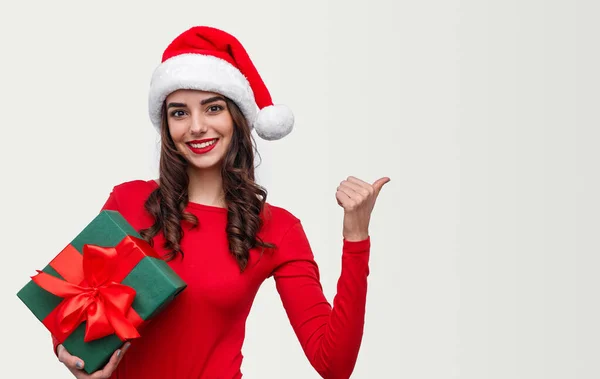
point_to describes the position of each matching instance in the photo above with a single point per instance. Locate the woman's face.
(201, 126)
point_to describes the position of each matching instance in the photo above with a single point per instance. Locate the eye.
(177, 113)
(215, 108)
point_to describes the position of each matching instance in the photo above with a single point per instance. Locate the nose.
(198, 125)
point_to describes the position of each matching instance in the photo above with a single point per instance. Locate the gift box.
(101, 289)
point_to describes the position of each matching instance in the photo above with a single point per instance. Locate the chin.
(204, 165)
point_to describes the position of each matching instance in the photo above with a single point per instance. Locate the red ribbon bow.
(99, 299)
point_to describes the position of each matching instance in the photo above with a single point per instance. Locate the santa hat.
(209, 59)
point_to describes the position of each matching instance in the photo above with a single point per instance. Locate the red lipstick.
(202, 150)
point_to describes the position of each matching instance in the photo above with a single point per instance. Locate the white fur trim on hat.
(274, 122)
(200, 72)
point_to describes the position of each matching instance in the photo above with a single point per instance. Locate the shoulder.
(135, 187)
(128, 198)
(285, 230)
(277, 221)
(133, 191)
(279, 214)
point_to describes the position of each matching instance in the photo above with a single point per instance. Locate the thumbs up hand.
(358, 198)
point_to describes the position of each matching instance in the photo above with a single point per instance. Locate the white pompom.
(274, 122)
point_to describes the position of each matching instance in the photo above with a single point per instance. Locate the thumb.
(378, 184)
(69, 360)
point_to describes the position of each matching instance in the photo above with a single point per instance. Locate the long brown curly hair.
(245, 199)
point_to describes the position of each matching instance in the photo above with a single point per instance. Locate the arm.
(330, 337)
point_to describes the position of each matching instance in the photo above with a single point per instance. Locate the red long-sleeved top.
(200, 334)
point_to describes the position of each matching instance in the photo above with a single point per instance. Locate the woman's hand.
(358, 199)
(75, 364)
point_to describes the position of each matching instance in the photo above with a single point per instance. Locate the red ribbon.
(96, 297)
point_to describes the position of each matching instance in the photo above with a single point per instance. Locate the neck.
(206, 187)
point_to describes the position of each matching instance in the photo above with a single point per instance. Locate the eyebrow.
(176, 105)
(203, 102)
(212, 99)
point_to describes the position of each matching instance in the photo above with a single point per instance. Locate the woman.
(210, 220)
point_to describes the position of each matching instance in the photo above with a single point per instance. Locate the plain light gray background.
(483, 113)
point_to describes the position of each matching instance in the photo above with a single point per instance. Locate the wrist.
(356, 237)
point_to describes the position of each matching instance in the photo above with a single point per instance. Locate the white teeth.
(203, 144)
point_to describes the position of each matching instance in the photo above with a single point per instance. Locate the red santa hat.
(209, 59)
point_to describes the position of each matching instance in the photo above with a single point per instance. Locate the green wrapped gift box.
(101, 289)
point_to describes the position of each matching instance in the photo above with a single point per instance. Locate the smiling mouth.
(203, 144)
(200, 147)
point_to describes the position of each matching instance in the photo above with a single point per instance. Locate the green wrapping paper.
(138, 270)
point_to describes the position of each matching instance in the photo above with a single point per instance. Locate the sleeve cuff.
(55, 343)
(354, 247)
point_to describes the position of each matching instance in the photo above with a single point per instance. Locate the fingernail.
(79, 364)
(118, 353)
(127, 346)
